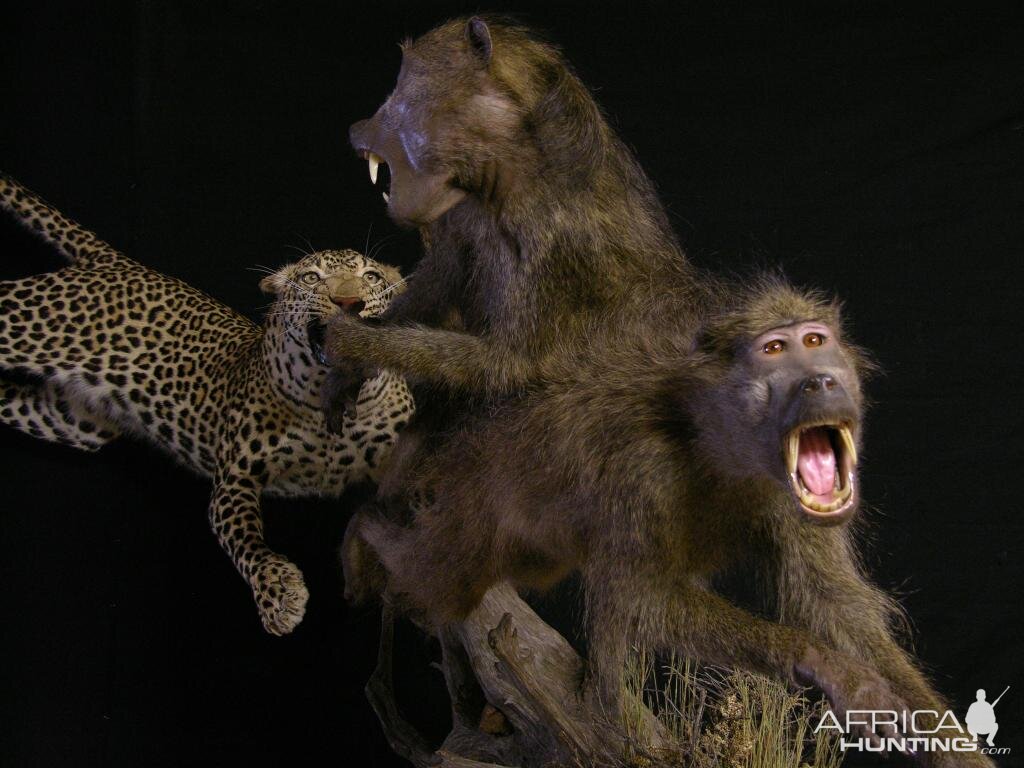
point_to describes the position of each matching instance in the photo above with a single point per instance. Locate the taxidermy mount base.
(504, 653)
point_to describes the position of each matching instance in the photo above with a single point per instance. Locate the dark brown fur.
(641, 462)
(546, 238)
(554, 223)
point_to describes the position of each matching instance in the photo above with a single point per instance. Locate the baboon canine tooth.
(847, 436)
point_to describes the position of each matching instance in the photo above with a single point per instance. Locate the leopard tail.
(78, 245)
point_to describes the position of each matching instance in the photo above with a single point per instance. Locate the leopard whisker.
(299, 287)
(395, 286)
(296, 248)
(379, 245)
(309, 245)
(261, 269)
(369, 231)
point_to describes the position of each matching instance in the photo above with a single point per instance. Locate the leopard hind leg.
(51, 411)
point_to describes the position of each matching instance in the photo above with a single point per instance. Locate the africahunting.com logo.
(923, 730)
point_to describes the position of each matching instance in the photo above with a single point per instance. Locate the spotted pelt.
(106, 346)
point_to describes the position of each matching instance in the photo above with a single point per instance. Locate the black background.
(872, 150)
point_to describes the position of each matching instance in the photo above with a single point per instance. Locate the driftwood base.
(515, 689)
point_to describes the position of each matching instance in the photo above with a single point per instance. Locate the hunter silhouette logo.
(918, 731)
(981, 717)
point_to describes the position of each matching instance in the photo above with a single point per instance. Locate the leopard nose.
(352, 305)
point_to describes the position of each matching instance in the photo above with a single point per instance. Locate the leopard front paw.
(280, 594)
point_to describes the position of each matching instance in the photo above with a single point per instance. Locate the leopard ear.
(271, 284)
(393, 275)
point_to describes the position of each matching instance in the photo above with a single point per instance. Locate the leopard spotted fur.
(106, 346)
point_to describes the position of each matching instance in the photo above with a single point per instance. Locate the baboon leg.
(611, 636)
(365, 577)
(380, 692)
(405, 564)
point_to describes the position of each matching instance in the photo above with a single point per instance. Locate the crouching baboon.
(653, 465)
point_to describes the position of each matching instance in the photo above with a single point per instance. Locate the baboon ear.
(479, 37)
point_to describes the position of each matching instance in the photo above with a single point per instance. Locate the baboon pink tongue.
(816, 461)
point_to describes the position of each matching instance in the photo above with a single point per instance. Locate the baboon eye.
(372, 277)
(813, 340)
(309, 278)
(774, 347)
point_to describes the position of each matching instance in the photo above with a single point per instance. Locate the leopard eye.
(813, 340)
(372, 277)
(309, 278)
(773, 347)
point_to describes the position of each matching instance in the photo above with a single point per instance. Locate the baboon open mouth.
(380, 173)
(821, 460)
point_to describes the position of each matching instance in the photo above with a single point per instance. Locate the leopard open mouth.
(316, 336)
(821, 460)
(380, 173)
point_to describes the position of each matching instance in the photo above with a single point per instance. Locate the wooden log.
(515, 689)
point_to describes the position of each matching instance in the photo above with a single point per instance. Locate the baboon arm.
(704, 625)
(420, 306)
(433, 289)
(709, 627)
(451, 359)
(822, 589)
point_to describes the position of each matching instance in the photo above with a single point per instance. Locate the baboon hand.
(344, 335)
(341, 387)
(850, 685)
(339, 394)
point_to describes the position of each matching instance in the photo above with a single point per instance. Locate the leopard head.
(311, 290)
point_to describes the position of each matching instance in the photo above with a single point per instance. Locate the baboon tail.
(79, 245)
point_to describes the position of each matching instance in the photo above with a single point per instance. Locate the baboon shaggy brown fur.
(592, 429)
(535, 217)
(653, 464)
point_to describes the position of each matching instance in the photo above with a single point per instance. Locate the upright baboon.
(535, 217)
(653, 464)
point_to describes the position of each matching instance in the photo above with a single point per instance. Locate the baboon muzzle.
(415, 193)
(820, 382)
(820, 398)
